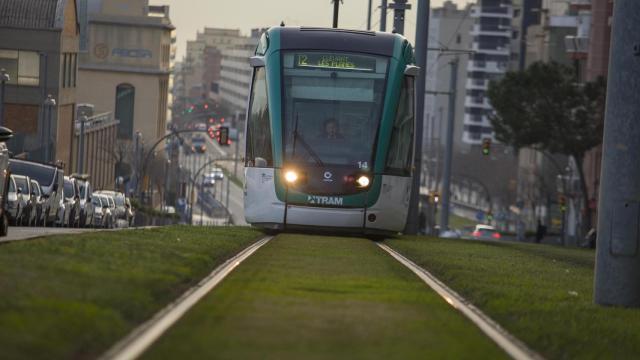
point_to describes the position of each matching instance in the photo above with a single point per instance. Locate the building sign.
(132, 53)
(101, 51)
(335, 62)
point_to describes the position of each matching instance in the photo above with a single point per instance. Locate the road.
(236, 193)
(17, 233)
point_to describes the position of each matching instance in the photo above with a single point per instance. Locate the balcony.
(577, 46)
(470, 119)
(495, 51)
(500, 30)
(504, 12)
(477, 84)
(477, 102)
(487, 66)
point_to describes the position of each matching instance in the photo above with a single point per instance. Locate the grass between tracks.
(311, 297)
(71, 297)
(541, 294)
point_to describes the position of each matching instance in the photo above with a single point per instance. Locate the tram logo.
(328, 176)
(324, 200)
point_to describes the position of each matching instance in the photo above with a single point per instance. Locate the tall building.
(127, 65)
(478, 182)
(38, 50)
(492, 34)
(235, 75)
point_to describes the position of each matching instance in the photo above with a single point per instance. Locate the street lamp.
(83, 121)
(4, 78)
(49, 104)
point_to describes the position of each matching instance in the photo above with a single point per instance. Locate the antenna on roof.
(282, 23)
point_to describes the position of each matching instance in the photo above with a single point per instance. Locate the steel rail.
(507, 342)
(141, 338)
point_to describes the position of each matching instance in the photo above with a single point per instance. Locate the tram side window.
(401, 146)
(259, 150)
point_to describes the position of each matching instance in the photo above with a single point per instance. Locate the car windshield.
(83, 189)
(332, 105)
(96, 201)
(68, 189)
(43, 174)
(35, 188)
(111, 203)
(22, 185)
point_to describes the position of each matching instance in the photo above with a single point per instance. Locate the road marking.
(510, 344)
(146, 334)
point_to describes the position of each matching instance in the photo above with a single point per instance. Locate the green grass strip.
(311, 297)
(541, 294)
(72, 297)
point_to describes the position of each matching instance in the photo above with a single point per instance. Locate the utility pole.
(80, 167)
(4, 79)
(617, 277)
(336, 12)
(137, 163)
(422, 34)
(235, 159)
(49, 104)
(399, 7)
(369, 15)
(448, 155)
(383, 16)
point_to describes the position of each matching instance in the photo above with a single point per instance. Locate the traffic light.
(486, 146)
(562, 202)
(223, 136)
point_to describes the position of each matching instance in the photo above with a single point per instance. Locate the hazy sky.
(190, 16)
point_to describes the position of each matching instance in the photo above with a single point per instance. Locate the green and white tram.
(330, 131)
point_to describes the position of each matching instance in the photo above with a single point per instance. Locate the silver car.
(16, 202)
(103, 217)
(86, 209)
(51, 180)
(71, 215)
(39, 200)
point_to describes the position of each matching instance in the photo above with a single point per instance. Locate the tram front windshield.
(332, 107)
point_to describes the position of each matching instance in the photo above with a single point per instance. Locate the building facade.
(39, 47)
(126, 67)
(492, 33)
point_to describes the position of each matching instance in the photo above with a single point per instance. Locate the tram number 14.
(363, 165)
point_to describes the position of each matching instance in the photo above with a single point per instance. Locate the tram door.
(260, 195)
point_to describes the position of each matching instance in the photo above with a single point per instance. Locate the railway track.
(325, 276)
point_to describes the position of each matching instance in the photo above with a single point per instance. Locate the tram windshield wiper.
(297, 137)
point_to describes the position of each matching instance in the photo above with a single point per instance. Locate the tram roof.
(309, 38)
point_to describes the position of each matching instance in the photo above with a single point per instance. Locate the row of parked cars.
(41, 195)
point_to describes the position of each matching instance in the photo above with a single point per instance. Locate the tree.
(544, 108)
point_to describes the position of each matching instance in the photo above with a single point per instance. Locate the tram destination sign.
(335, 62)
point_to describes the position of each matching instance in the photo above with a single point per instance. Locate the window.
(259, 150)
(125, 104)
(401, 146)
(332, 107)
(23, 67)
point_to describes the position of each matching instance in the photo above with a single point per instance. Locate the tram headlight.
(291, 176)
(363, 181)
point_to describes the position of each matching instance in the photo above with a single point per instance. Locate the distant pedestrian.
(541, 231)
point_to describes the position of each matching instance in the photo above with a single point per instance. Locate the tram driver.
(331, 130)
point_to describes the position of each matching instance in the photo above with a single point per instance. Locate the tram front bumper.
(325, 217)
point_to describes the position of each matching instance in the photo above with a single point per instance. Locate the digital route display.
(335, 62)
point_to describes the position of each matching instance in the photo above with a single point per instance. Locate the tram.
(330, 131)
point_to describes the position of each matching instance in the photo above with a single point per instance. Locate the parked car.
(17, 202)
(130, 211)
(5, 134)
(485, 232)
(71, 216)
(39, 201)
(120, 203)
(113, 209)
(23, 184)
(103, 217)
(86, 209)
(51, 180)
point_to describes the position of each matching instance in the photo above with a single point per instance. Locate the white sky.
(190, 16)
